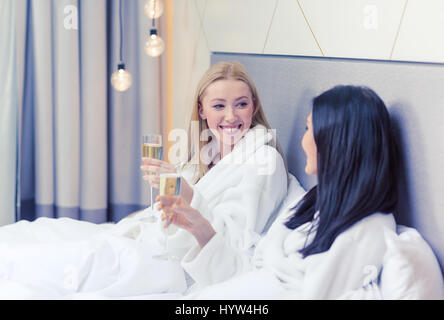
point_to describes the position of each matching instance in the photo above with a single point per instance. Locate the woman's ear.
(201, 112)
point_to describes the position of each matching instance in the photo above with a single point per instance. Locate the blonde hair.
(221, 71)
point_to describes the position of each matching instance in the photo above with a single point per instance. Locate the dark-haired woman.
(330, 242)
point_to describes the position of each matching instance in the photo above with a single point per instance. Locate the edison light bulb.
(154, 8)
(121, 79)
(154, 46)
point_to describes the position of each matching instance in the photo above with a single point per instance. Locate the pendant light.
(154, 46)
(121, 79)
(154, 8)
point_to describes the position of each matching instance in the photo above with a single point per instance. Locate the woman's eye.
(218, 106)
(306, 128)
(242, 104)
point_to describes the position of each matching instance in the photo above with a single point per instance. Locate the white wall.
(410, 30)
(191, 56)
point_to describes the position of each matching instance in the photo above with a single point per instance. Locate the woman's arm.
(245, 201)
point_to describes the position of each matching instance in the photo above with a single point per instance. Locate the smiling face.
(310, 149)
(227, 106)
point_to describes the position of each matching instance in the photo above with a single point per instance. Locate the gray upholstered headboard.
(414, 94)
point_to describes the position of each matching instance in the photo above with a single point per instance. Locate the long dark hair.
(356, 164)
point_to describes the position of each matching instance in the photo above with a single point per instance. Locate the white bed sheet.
(65, 259)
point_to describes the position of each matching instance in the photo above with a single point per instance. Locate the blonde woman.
(235, 178)
(236, 181)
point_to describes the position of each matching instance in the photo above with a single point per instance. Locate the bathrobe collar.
(255, 138)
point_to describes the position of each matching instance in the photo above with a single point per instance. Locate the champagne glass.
(169, 185)
(152, 148)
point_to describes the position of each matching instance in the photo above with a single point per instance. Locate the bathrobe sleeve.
(328, 273)
(353, 260)
(238, 219)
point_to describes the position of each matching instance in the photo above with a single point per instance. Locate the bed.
(287, 84)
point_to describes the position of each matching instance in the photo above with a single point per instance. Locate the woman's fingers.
(151, 176)
(151, 169)
(169, 201)
(177, 211)
(168, 215)
(152, 161)
(165, 166)
(187, 213)
(152, 179)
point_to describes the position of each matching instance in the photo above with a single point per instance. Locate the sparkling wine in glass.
(169, 185)
(152, 148)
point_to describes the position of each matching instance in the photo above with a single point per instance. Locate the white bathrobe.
(238, 196)
(278, 270)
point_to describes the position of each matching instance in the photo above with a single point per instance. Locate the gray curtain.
(8, 112)
(79, 140)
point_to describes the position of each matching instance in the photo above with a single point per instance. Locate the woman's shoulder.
(366, 236)
(267, 152)
(371, 228)
(266, 159)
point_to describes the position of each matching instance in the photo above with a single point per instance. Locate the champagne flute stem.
(166, 244)
(152, 204)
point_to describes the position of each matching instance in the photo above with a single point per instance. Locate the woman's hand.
(153, 167)
(178, 212)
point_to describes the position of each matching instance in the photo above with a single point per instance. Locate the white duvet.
(70, 259)
(65, 258)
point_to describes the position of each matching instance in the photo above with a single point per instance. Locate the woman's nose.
(230, 114)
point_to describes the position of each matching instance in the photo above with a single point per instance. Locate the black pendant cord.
(121, 33)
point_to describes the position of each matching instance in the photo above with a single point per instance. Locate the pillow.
(410, 269)
(295, 192)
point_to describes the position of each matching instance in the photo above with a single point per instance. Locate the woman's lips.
(231, 129)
